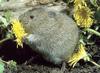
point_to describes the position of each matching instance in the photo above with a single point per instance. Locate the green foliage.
(94, 2)
(4, 30)
(97, 14)
(12, 65)
(1, 66)
(3, 21)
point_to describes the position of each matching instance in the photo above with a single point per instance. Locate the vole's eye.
(31, 16)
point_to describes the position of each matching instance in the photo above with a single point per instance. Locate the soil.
(30, 62)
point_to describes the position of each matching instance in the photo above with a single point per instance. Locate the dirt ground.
(30, 62)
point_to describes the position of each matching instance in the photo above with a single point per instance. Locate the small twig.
(63, 68)
(3, 40)
(93, 31)
(29, 61)
(89, 36)
(81, 41)
(95, 64)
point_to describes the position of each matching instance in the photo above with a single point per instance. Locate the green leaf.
(12, 65)
(94, 2)
(97, 14)
(1, 67)
(4, 21)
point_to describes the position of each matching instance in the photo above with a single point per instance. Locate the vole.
(51, 32)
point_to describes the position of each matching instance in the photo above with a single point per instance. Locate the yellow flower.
(18, 31)
(79, 3)
(81, 54)
(83, 16)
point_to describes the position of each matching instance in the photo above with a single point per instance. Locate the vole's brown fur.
(50, 32)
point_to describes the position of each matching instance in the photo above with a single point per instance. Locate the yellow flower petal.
(83, 15)
(18, 31)
(81, 54)
(79, 3)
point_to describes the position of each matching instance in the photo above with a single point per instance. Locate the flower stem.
(3, 40)
(95, 64)
(93, 31)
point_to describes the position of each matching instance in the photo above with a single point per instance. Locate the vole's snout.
(29, 38)
(32, 40)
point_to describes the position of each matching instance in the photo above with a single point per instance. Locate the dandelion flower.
(81, 54)
(83, 16)
(79, 3)
(18, 31)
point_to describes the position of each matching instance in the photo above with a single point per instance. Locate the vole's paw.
(63, 68)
